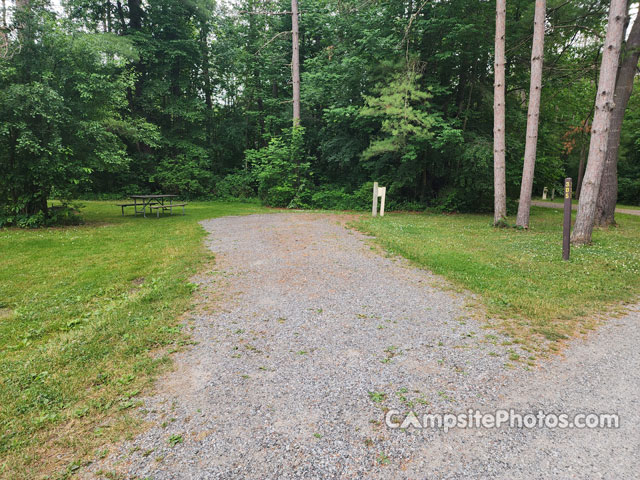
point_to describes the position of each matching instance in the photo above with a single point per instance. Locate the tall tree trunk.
(606, 203)
(499, 182)
(585, 218)
(537, 54)
(135, 14)
(295, 62)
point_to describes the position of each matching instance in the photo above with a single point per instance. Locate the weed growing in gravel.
(377, 397)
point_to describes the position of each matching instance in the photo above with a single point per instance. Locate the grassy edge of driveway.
(89, 316)
(525, 287)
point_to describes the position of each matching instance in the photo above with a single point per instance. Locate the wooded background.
(109, 98)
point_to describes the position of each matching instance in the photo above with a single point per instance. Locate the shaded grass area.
(81, 309)
(520, 275)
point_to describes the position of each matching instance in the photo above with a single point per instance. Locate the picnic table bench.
(152, 202)
(167, 207)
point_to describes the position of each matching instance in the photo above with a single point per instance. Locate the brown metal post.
(566, 227)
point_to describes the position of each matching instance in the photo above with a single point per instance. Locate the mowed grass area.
(537, 298)
(81, 310)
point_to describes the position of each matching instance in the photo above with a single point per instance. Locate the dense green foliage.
(107, 98)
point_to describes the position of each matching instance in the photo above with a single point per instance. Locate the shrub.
(64, 214)
(241, 184)
(282, 172)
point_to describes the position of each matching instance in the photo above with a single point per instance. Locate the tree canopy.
(108, 98)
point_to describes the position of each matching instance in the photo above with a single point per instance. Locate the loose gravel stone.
(305, 336)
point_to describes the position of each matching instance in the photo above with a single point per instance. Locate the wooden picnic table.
(158, 202)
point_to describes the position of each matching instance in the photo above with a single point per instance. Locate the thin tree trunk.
(295, 62)
(608, 195)
(600, 127)
(537, 54)
(499, 182)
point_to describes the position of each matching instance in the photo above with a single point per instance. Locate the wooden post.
(566, 227)
(374, 208)
(382, 193)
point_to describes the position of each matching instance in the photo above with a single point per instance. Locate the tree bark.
(585, 218)
(295, 62)
(499, 182)
(535, 88)
(608, 194)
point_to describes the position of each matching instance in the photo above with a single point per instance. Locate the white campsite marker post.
(381, 193)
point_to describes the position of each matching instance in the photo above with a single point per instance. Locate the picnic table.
(152, 202)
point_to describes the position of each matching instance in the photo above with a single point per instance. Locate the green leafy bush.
(64, 214)
(282, 171)
(336, 198)
(241, 184)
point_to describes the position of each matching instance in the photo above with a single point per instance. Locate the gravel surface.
(306, 335)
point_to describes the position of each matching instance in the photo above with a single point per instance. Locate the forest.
(106, 98)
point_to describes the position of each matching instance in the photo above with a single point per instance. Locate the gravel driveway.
(306, 336)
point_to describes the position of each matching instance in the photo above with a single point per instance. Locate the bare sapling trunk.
(535, 88)
(295, 62)
(608, 195)
(499, 181)
(585, 218)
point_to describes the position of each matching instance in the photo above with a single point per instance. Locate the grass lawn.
(520, 275)
(81, 308)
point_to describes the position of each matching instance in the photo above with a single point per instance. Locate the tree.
(499, 168)
(64, 115)
(295, 62)
(585, 218)
(607, 196)
(537, 54)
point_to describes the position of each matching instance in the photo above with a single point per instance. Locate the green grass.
(81, 309)
(520, 275)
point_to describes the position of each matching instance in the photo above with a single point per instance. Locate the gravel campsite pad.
(306, 335)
